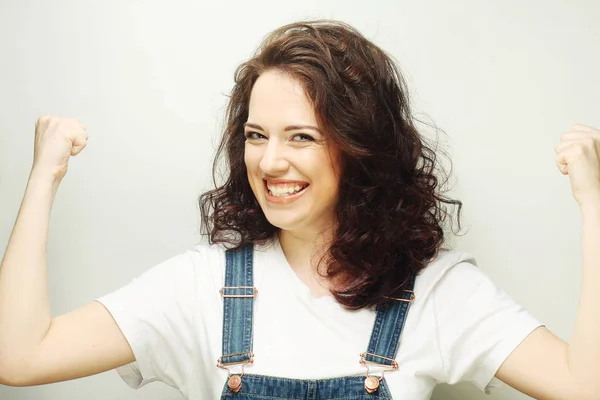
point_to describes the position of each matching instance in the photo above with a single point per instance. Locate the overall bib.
(238, 298)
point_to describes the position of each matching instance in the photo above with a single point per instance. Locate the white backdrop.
(503, 79)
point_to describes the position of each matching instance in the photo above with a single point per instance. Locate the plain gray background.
(149, 79)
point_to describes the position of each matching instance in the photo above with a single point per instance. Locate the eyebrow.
(287, 128)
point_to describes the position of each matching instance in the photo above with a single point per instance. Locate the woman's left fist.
(578, 155)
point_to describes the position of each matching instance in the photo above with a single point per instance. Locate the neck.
(303, 252)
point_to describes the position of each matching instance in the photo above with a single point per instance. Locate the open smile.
(284, 192)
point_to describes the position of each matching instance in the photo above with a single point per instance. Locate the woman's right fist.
(56, 140)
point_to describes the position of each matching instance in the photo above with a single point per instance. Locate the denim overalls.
(238, 297)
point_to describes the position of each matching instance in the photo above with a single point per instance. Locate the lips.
(288, 198)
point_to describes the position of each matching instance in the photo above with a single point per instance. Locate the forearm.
(24, 305)
(584, 348)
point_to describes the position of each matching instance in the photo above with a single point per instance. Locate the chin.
(285, 224)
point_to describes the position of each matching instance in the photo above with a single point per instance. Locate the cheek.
(324, 171)
(333, 183)
(251, 159)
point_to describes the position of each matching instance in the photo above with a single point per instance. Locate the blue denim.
(237, 343)
(267, 387)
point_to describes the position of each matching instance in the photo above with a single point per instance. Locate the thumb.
(78, 145)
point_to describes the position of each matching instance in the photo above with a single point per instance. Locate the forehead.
(278, 99)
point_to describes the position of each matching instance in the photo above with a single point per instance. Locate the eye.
(253, 135)
(302, 137)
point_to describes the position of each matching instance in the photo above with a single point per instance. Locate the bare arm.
(34, 348)
(544, 366)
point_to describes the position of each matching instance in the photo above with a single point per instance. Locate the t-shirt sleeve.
(479, 325)
(153, 312)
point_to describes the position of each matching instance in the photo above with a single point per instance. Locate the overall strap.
(238, 298)
(388, 326)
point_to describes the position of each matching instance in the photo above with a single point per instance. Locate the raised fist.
(56, 140)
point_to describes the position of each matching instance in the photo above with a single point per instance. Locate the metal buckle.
(223, 365)
(363, 361)
(372, 381)
(254, 292)
(234, 382)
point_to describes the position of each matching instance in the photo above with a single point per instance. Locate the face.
(291, 168)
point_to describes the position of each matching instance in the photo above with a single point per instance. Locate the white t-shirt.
(461, 327)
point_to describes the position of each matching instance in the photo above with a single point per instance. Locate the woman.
(335, 284)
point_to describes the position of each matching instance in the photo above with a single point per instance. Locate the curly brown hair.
(390, 194)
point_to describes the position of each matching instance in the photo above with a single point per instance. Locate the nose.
(274, 160)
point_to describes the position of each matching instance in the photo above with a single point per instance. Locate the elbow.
(588, 392)
(15, 381)
(588, 396)
(11, 374)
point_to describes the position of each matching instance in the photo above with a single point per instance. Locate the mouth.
(284, 192)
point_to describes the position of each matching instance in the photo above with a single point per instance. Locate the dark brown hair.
(390, 198)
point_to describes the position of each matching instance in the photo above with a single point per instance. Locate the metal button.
(371, 384)
(235, 383)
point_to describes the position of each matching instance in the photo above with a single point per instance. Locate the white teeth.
(284, 190)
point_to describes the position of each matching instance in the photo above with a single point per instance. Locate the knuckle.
(589, 142)
(42, 120)
(52, 121)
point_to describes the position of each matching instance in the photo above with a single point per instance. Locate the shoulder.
(176, 278)
(458, 289)
(448, 265)
(477, 324)
(205, 253)
(207, 262)
(197, 260)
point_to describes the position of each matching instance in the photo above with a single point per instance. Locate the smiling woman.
(292, 174)
(325, 243)
(321, 107)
